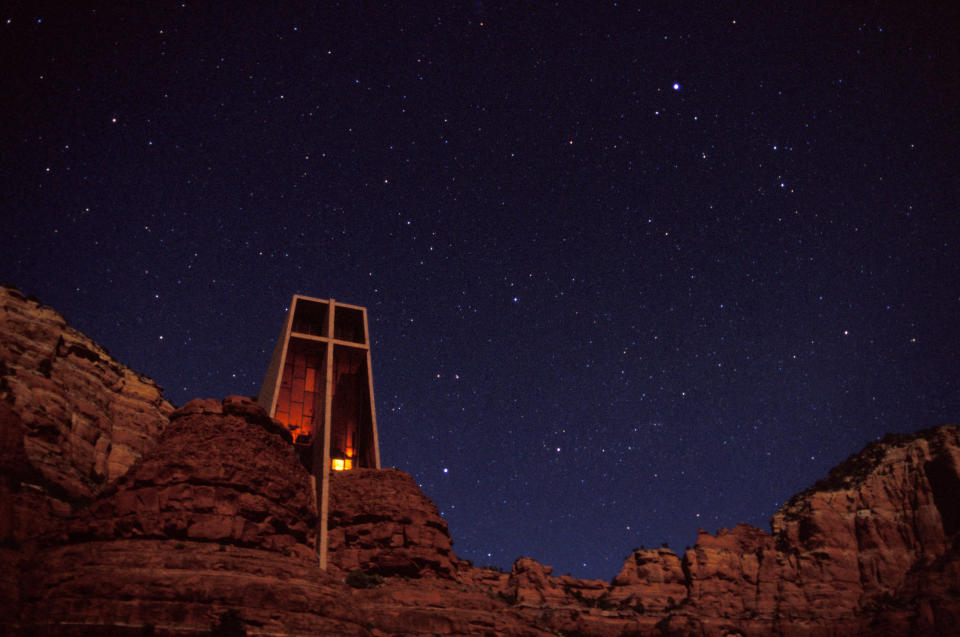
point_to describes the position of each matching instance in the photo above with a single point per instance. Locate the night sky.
(630, 271)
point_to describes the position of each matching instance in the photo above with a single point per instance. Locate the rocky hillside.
(121, 516)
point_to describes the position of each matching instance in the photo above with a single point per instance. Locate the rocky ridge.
(205, 511)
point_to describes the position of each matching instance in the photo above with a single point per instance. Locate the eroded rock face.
(213, 477)
(872, 549)
(650, 581)
(219, 515)
(72, 419)
(868, 550)
(874, 531)
(380, 521)
(85, 417)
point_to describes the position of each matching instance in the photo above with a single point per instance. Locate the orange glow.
(299, 391)
(341, 464)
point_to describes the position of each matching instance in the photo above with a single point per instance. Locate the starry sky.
(632, 269)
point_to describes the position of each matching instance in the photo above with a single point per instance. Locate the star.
(435, 183)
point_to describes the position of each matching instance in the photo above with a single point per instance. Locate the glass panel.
(351, 424)
(310, 317)
(299, 402)
(348, 325)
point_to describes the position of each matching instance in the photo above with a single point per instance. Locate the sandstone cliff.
(86, 418)
(71, 420)
(119, 515)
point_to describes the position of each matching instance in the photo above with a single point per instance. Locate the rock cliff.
(86, 418)
(121, 516)
(871, 549)
(71, 420)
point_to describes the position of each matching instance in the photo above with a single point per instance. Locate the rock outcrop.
(651, 581)
(871, 549)
(380, 522)
(72, 419)
(86, 418)
(219, 516)
(215, 476)
(119, 515)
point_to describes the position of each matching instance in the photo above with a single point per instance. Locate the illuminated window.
(341, 464)
(298, 401)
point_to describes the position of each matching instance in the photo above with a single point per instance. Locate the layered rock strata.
(380, 522)
(871, 549)
(72, 419)
(219, 516)
(119, 516)
(85, 418)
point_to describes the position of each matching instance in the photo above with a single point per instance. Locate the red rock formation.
(872, 549)
(880, 533)
(219, 516)
(113, 521)
(214, 477)
(874, 532)
(71, 420)
(650, 580)
(86, 418)
(381, 522)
